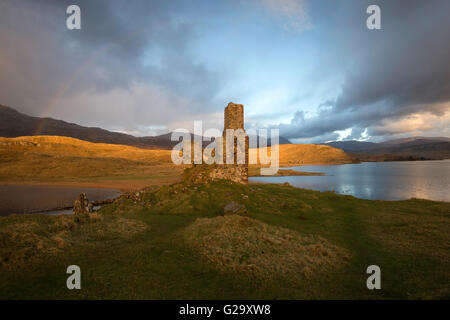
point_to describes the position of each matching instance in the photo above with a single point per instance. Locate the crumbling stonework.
(82, 205)
(233, 116)
(202, 173)
(237, 172)
(234, 119)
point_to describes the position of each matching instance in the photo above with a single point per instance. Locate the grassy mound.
(34, 239)
(245, 245)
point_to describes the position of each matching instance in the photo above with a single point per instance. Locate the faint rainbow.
(65, 86)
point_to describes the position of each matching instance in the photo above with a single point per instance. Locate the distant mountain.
(412, 141)
(352, 145)
(281, 140)
(15, 124)
(414, 147)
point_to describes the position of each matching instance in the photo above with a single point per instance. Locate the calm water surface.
(377, 180)
(24, 198)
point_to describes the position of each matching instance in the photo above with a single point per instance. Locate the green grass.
(409, 240)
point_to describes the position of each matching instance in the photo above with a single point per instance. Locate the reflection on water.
(56, 212)
(377, 180)
(24, 198)
(63, 211)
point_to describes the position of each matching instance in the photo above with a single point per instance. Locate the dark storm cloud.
(41, 60)
(406, 63)
(136, 64)
(397, 71)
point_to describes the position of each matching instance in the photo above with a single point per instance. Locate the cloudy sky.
(308, 67)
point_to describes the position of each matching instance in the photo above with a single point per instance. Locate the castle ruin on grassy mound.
(235, 152)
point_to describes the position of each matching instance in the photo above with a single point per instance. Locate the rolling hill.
(303, 154)
(52, 158)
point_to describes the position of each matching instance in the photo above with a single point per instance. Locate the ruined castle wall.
(234, 119)
(236, 173)
(234, 116)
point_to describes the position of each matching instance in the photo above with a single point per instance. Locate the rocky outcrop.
(82, 205)
(234, 208)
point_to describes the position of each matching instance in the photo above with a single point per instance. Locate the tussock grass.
(244, 245)
(316, 245)
(32, 239)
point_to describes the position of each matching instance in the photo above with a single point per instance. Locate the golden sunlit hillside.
(53, 158)
(302, 154)
(63, 159)
(65, 146)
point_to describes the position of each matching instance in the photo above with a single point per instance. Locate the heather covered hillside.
(298, 154)
(52, 158)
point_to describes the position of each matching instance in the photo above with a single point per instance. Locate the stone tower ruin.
(231, 168)
(233, 116)
(234, 119)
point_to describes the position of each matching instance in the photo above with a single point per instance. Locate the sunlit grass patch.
(32, 239)
(244, 245)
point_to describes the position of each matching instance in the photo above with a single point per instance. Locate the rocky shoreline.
(94, 203)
